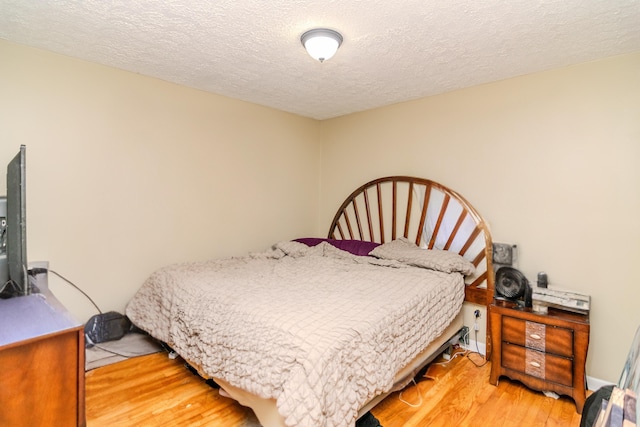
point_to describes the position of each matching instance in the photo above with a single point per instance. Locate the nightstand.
(544, 351)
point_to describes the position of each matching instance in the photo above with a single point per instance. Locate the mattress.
(318, 331)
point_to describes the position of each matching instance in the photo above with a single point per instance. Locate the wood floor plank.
(157, 391)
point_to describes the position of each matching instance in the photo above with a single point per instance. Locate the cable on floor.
(412, 405)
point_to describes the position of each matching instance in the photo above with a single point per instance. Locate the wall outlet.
(39, 281)
(464, 336)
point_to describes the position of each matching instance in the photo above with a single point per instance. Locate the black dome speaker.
(511, 284)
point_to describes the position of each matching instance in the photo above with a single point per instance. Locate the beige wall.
(550, 160)
(127, 173)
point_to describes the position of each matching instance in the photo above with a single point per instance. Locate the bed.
(316, 331)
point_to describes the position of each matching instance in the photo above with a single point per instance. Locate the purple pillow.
(355, 247)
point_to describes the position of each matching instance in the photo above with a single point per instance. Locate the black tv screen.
(16, 223)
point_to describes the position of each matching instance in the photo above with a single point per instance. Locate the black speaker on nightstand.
(512, 285)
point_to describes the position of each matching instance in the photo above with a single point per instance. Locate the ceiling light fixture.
(321, 43)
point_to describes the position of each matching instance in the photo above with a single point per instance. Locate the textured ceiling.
(393, 51)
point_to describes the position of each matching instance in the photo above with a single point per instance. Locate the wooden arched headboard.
(427, 213)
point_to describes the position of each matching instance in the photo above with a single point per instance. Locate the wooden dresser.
(546, 352)
(42, 360)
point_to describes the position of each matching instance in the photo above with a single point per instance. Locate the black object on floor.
(368, 420)
(592, 405)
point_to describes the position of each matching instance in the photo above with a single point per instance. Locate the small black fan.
(511, 284)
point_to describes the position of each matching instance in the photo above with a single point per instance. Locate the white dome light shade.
(321, 43)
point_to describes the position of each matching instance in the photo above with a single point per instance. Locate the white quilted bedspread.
(316, 328)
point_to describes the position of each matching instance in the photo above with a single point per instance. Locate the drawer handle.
(535, 364)
(535, 336)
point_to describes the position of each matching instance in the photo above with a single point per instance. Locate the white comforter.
(316, 328)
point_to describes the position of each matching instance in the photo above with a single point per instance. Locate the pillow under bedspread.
(319, 330)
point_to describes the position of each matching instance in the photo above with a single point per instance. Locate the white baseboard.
(479, 347)
(595, 383)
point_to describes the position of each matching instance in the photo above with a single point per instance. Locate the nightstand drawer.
(538, 336)
(541, 365)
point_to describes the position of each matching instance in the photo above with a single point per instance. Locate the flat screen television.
(15, 228)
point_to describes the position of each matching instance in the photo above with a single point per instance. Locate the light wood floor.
(157, 391)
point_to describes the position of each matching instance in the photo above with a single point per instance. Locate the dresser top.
(509, 307)
(31, 316)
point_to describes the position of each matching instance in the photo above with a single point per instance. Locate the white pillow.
(407, 252)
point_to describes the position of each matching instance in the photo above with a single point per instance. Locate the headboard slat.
(423, 217)
(366, 202)
(348, 222)
(339, 230)
(380, 216)
(436, 229)
(394, 205)
(470, 240)
(456, 228)
(408, 217)
(476, 261)
(358, 221)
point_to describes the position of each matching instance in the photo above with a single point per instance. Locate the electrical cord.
(126, 356)
(36, 271)
(465, 337)
(478, 365)
(455, 354)
(412, 405)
